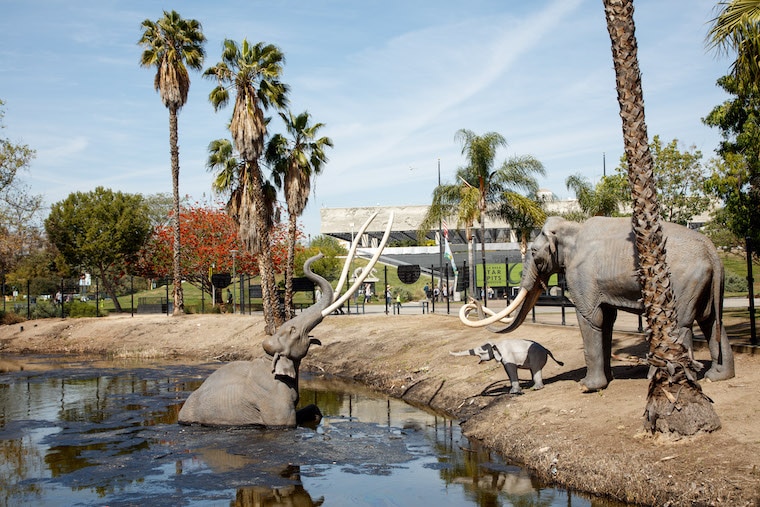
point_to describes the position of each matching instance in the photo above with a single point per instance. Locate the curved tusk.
(327, 311)
(466, 310)
(502, 316)
(350, 256)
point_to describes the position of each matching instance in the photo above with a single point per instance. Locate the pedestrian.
(427, 291)
(367, 292)
(388, 295)
(436, 293)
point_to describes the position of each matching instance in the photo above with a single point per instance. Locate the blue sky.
(392, 81)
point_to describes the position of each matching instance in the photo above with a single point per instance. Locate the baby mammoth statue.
(514, 354)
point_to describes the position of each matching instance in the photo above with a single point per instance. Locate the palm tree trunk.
(471, 260)
(290, 265)
(675, 402)
(483, 255)
(272, 315)
(179, 299)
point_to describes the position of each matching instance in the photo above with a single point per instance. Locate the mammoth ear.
(283, 365)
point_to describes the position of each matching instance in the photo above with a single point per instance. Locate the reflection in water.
(293, 495)
(95, 433)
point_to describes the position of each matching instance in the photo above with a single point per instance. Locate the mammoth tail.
(554, 358)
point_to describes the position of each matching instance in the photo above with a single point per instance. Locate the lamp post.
(234, 253)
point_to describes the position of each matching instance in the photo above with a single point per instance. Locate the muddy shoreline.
(587, 442)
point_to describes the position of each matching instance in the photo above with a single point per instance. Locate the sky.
(392, 80)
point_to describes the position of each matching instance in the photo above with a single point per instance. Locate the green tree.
(329, 266)
(679, 179)
(252, 72)
(735, 174)
(673, 379)
(101, 231)
(173, 44)
(296, 159)
(736, 31)
(18, 207)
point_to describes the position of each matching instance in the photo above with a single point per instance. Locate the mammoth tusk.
(327, 311)
(351, 254)
(502, 316)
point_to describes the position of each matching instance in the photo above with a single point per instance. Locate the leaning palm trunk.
(289, 266)
(675, 402)
(179, 300)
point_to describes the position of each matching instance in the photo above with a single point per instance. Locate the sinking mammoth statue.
(264, 391)
(598, 259)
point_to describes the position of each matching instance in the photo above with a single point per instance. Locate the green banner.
(496, 275)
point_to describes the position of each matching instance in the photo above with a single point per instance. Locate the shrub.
(80, 309)
(735, 283)
(45, 309)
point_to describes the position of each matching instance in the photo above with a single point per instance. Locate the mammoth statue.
(598, 258)
(264, 391)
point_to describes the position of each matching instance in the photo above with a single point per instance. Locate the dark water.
(79, 432)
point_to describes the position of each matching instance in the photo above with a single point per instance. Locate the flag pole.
(440, 237)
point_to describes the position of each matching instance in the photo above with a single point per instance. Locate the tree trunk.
(179, 299)
(471, 260)
(290, 266)
(272, 315)
(483, 255)
(675, 403)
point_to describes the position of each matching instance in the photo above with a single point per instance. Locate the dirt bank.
(591, 442)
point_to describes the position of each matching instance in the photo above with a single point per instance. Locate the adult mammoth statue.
(264, 391)
(598, 258)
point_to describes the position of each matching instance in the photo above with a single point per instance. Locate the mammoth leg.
(538, 381)
(722, 356)
(596, 350)
(514, 380)
(609, 316)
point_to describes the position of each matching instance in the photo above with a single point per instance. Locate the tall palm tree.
(173, 44)
(295, 160)
(675, 401)
(479, 174)
(252, 72)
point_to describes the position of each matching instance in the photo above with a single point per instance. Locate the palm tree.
(675, 401)
(295, 160)
(602, 200)
(173, 44)
(252, 71)
(483, 191)
(737, 28)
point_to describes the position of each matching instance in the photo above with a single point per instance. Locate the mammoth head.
(291, 342)
(544, 257)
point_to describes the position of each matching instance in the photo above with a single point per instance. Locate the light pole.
(234, 253)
